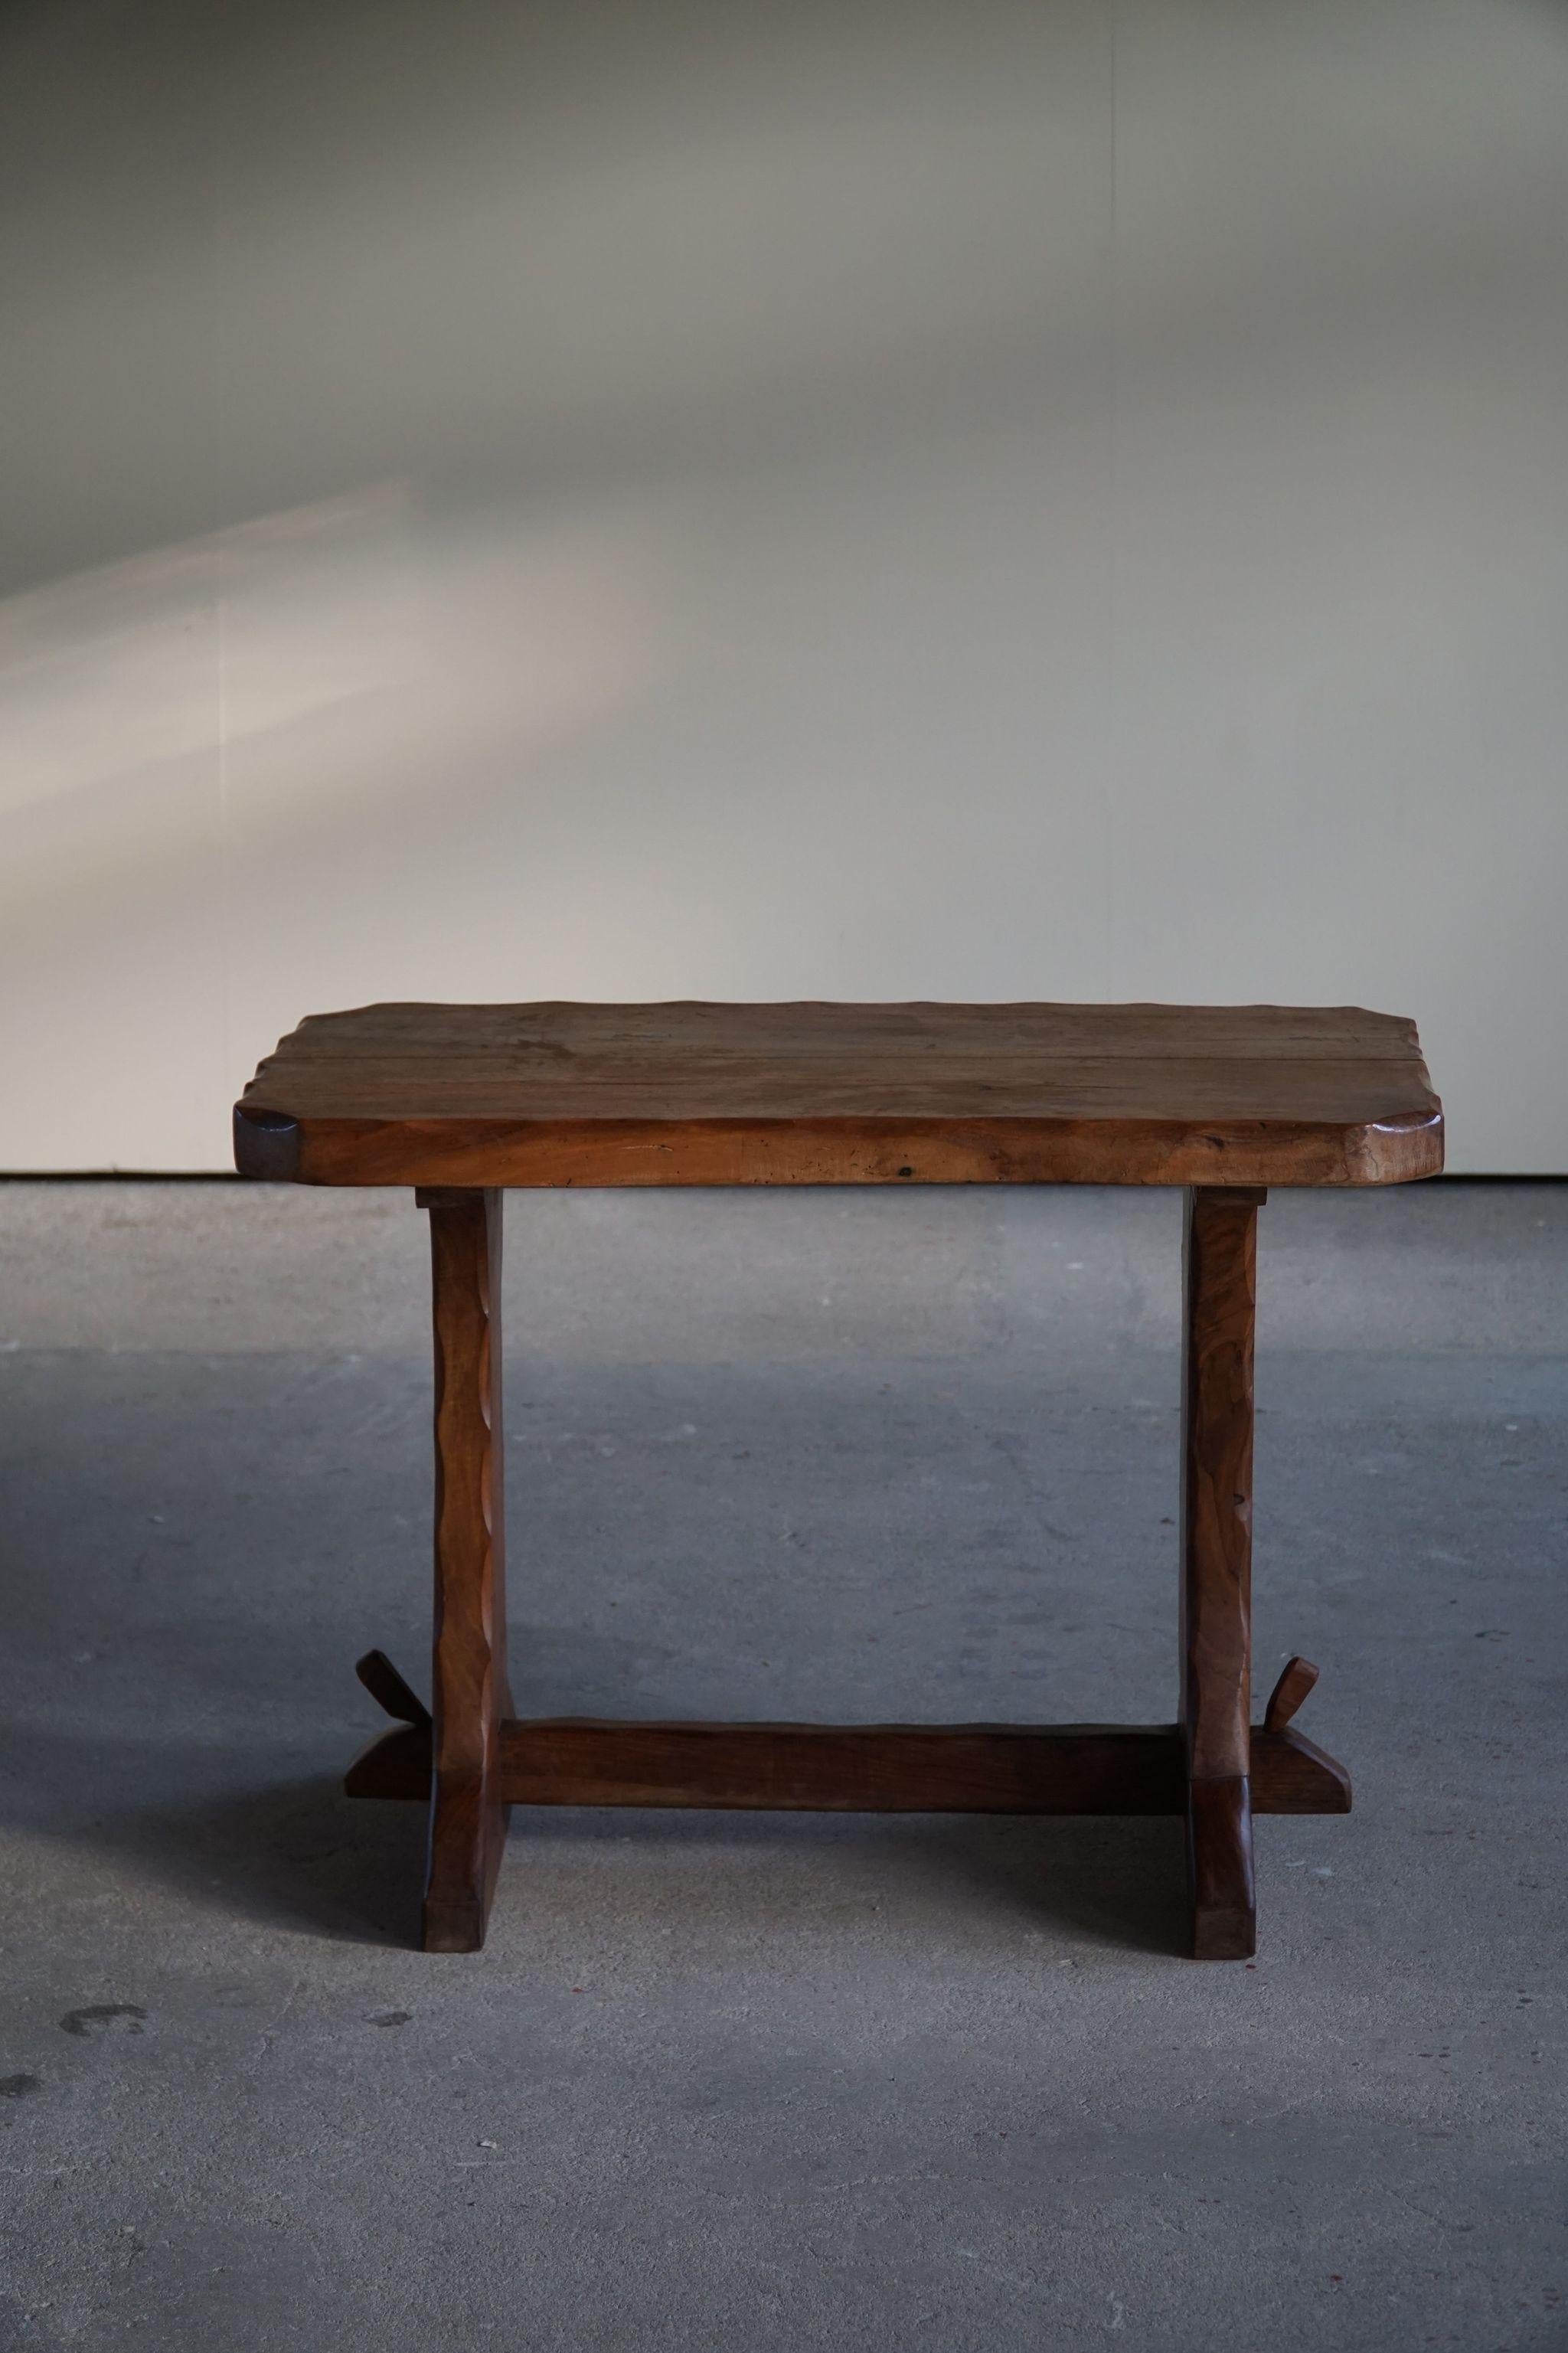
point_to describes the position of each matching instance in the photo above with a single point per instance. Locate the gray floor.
(775, 2083)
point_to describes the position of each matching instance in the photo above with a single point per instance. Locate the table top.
(694, 1093)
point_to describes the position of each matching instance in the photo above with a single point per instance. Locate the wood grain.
(462, 1101)
(1297, 1678)
(1095, 1769)
(1220, 1879)
(1220, 1300)
(692, 1093)
(470, 1694)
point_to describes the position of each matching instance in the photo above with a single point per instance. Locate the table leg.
(470, 1695)
(1220, 1287)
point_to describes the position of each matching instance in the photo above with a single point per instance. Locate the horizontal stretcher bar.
(986, 1769)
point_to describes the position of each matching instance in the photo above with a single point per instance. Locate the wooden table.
(462, 1101)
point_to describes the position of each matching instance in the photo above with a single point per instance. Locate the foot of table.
(1219, 1870)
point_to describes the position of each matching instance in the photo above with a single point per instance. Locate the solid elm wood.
(460, 1101)
(851, 1768)
(693, 1093)
(382, 1680)
(992, 1769)
(1221, 1896)
(469, 1688)
(1220, 1292)
(1290, 1774)
(890, 1768)
(1297, 1678)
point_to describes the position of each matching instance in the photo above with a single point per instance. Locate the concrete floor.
(770, 2081)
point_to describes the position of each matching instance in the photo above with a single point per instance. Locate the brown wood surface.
(1297, 1678)
(470, 1695)
(1093, 1768)
(1220, 1879)
(389, 1688)
(1220, 1259)
(694, 1093)
(462, 1101)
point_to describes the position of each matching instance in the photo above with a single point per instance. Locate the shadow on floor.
(295, 1853)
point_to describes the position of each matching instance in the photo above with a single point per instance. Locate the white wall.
(954, 499)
